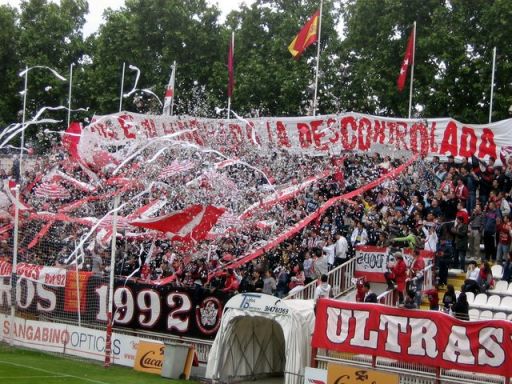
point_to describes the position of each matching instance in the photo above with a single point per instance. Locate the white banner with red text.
(372, 261)
(316, 135)
(423, 337)
(52, 276)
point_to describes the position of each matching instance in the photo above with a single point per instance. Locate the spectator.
(507, 268)
(416, 274)
(433, 298)
(460, 230)
(369, 296)
(490, 225)
(323, 290)
(485, 279)
(504, 231)
(476, 226)
(359, 235)
(449, 298)
(471, 282)
(341, 249)
(269, 283)
(397, 275)
(461, 308)
(410, 300)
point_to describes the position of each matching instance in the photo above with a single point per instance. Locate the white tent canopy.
(262, 335)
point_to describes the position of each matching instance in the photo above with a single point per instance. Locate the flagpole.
(173, 86)
(232, 49)
(317, 57)
(492, 82)
(412, 69)
(122, 90)
(69, 93)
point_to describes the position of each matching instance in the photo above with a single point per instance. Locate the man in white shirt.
(471, 284)
(323, 290)
(340, 250)
(359, 235)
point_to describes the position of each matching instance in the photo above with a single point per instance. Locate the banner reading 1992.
(316, 135)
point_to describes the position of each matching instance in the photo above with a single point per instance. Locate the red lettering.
(304, 135)
(379, 132)
(269, 132)
(401, 132)
(422, 130)
(467, 149)
(282, 136)
(391, 125)
(348, 120)
(487, 145)
(149, 127)
(236, 132)
(433, 143)
(364, 140)
(126, 126)
(330, 124)
(449, 143)
(318, 135)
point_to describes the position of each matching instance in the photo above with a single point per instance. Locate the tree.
(453, 57)
(268, 80)
(8, 65)
(151, 35)
(49, 34)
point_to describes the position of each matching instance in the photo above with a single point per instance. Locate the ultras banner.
(182, 311)
(318, 135)
(424, 337)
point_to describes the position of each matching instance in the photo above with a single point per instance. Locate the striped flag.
(175, 168)
(169, 93)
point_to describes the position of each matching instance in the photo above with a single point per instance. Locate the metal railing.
(340, 279)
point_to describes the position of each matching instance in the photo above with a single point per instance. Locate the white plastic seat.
(480, 300)
(506, 304)
(474, 314)
(500, 316)
(500, 288)
(497, 271)
(471, 297)
(509, 289)
(509, 317)
(493, 303)
(486, 315)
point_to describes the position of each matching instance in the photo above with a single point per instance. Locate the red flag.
(71, 138)
(307, 36)
(408, 60)
(231, 65)
(189, 224)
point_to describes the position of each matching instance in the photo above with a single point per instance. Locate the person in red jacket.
(398, 275)
(231, 283)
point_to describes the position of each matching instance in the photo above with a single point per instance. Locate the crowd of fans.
(449, 208)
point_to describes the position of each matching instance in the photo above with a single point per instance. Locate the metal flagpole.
(69, 93)
(14, 262)
(173, 86)
(232, 49)
(110, 320)
(492, 82)
(317, 58)
(22, 146)
(412, 68)
(122, 90)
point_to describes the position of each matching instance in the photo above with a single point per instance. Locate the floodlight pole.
(14, 264)
(108, 339)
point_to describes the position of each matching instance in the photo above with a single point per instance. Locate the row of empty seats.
(502, 288)
(493, 302)
(475, 314)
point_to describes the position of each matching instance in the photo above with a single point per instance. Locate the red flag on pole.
(307, 36)
(231, 65)
(408, 60)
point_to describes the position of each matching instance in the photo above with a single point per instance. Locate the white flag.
(169, 94)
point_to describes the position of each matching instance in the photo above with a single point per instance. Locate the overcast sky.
(96, 8)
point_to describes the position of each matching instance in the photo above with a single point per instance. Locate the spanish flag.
(307, 36)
